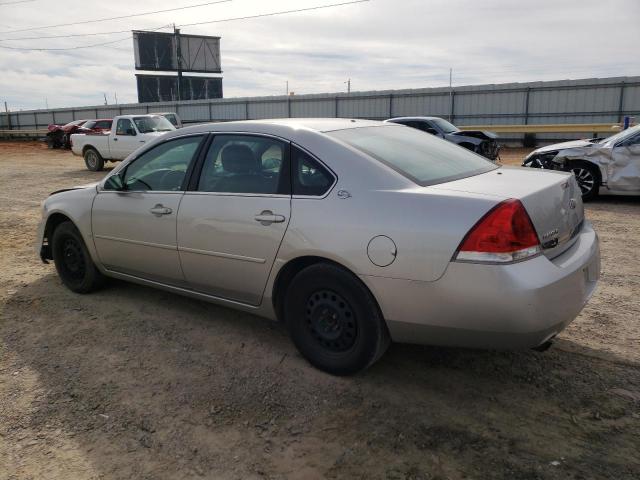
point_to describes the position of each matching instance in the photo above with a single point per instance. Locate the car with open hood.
(482, 142)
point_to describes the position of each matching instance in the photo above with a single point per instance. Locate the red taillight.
(505, 234)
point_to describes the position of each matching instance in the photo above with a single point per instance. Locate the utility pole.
(450, 95)
(287, 88)
(348, 82)
(115, 95)
(46, 102)
(105, 98)
(176, 36)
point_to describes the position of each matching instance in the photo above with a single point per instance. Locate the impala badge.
(572, 203)
(550, 234)
(343, 194)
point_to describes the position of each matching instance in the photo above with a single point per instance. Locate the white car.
(128, 133)
(601, 166)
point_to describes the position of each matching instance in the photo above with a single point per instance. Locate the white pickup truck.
(128, 133)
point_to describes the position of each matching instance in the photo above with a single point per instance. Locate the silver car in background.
(351, 232)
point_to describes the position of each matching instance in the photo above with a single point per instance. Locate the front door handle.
(142, 141)
(160, 210)
(267, 217)
(115, 139)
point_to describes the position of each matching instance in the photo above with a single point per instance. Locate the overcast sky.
(380, 44)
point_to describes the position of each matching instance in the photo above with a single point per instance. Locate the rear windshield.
(419, 156)
(153, 124)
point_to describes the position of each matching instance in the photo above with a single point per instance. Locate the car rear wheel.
(73, 261)
(334, 320)
(588, 178)
(93, 160)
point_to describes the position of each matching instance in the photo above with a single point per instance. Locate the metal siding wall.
(631, 100)
(193, 112)
(133, 110)
(65, 117)
(429, 105)
(313, 108)
(372, 108)
(557, 102)
(106, 112)
(228, 111)
(276, 109)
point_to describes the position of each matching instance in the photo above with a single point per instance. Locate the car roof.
(412, 118)
(286, 126)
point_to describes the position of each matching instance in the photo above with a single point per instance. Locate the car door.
(624, 171)
(125, 140)
(231, 224)
(134, 228)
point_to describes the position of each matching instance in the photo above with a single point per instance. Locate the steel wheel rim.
(585, 179)
(331, 321)
(92, 159)
(73, 259)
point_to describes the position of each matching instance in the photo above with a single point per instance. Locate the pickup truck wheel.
(334, 320)
(73, 261)
(93, 160)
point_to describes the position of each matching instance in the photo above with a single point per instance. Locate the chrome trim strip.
(222, 255)
(233, 194)
(136, 242)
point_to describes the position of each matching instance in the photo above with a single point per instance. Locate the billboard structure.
(174, 52)
(164, 88)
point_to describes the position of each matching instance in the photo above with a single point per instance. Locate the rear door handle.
(115, 139)
(267, 217)
(160, 210)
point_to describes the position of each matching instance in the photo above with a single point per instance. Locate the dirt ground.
(135, 383)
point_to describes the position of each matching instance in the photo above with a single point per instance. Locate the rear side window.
(309, 176)
(103, 124)
(424, 159)
(245, 164)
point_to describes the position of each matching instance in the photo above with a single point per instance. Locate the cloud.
(381, 44)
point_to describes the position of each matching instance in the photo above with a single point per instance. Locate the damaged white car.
(601, 166)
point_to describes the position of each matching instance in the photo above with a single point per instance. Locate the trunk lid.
(552, 200)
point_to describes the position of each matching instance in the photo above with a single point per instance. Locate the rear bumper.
(493, 306)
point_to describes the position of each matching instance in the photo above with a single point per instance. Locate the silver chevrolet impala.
(352, 232)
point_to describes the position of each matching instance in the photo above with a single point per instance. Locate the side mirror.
(114, 182)
(131, 131)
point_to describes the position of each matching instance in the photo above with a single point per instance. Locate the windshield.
(424, 159)
(153, 124)
(443, 125)
(621, 135)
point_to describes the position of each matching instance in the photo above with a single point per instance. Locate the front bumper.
(521, 305)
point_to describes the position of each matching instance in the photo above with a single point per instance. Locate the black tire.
(334, 320)
(93, 160)
(588, 178)
(73, 261)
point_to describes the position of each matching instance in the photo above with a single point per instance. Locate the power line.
(283, 12)
(270, 14)
(77, 47)
(18, 1)
(84, 22)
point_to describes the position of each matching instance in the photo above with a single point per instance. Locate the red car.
(59, 136)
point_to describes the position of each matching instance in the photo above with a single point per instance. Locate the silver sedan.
(352, 232)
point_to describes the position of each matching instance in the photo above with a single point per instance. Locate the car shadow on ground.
(142, 381)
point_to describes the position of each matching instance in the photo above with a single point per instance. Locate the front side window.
(164, 167)
(424, 159)
(245, 164)
(309, 176)
(125, 127)
(153, 124)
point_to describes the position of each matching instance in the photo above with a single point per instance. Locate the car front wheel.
(334, 320)
(588, 178)
(73, 261)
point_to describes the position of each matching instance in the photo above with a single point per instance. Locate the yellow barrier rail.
(609, 128)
